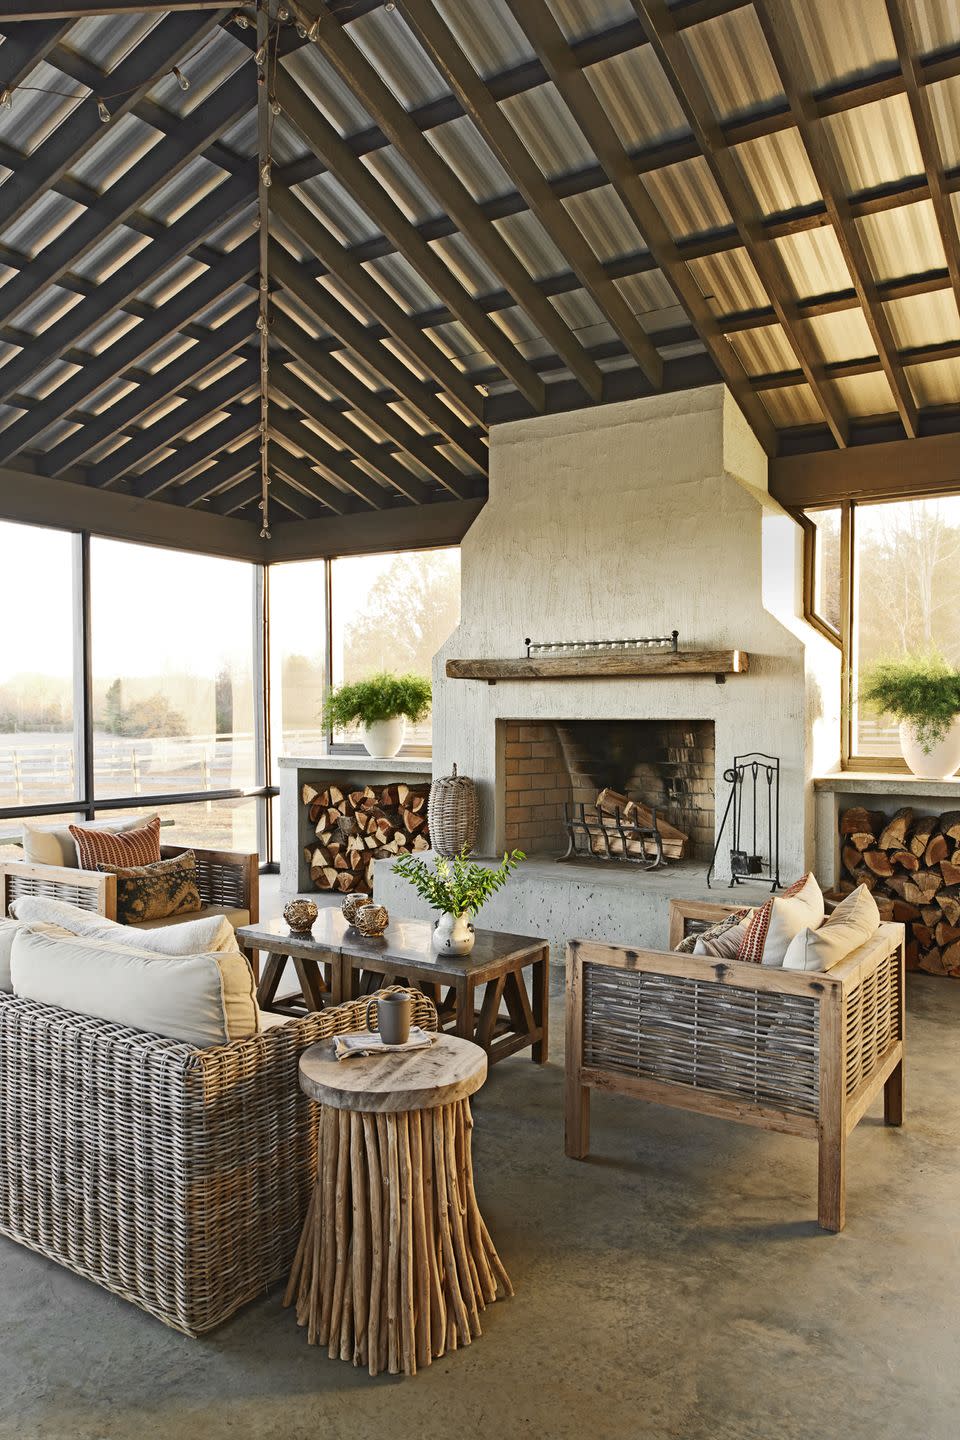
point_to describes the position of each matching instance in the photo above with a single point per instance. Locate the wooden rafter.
(334, 376)
(350, 334)
(908, 50)
(546, 37)
(451, 61)
(299, 473)
(778, 24)
(677, 64)
(354, 68)
(291, 429)
(166, 320)
(360, 183)
(337, 260)
(238, 424)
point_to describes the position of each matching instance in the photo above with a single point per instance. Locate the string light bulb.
(260, 56)
(266, 177)
(182, 80)
(241, 21)
(275, 106)
(103, 112)
(6, 99)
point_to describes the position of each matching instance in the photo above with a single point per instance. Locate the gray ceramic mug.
(394, 1013)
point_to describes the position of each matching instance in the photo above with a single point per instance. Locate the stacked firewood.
(356, 827)
(912, 866)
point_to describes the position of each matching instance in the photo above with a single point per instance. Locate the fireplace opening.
(549, 769)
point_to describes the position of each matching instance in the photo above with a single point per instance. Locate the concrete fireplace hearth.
(631, 520)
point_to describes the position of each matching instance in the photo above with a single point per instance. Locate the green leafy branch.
(379, 697)
(921, 689)
(458, 886)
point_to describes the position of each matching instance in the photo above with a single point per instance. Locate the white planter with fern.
(457, 888)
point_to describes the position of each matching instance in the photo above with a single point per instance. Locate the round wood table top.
(450, 1070)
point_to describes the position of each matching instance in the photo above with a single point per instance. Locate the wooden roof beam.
(350, 433)
(169, 319)
(220, 473)
(288, 427)
(779, 28)
(334, 376)
(431, 267)
(454, 197)
(543, 32)
(238, 424)
(452, 63)
(684, 78)
(299, 473)
(338, 261)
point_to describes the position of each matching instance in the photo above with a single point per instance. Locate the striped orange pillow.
(117, 847)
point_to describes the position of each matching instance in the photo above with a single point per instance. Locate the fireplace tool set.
(753, 812)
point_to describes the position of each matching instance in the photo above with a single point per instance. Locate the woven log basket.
(452, 814)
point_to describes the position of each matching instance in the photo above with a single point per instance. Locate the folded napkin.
(347, 1046)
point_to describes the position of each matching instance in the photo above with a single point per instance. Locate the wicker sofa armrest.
(225, 877)
(195, 1167)
(85, 888)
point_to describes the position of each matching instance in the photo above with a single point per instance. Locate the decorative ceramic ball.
(300, 915)
(372, 920)
(350, 904)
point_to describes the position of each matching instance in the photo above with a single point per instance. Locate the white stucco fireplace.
(631, 520)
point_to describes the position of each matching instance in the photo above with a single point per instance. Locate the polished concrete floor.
(676, 1285)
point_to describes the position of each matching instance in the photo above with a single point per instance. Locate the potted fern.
(922, 692)
(381, 705)
(458, 888)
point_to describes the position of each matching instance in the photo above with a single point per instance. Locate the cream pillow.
(774, 925)
(853, 922)
(723, 946)
(204, 1000)
(206, 935)
(8, 929)
(54, 845)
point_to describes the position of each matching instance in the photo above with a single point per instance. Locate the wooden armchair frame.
(805, 1053)
(224, 877)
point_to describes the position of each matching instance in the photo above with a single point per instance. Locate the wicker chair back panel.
(872, 1021)
(176, 1178)
(727, 1039)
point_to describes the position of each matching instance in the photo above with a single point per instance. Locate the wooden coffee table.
(316, 965)
(336, 963)
(395, 1263)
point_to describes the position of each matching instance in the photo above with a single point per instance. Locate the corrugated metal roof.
(778, 172)
(875, 144)
(920, 320)
(842, 42)
(894, 236)
(734, 63)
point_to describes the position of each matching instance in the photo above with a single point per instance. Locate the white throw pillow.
(851, 925)
(774, 925)
(54, 845)
(204, 1000)
(8, 929)
(206, 935)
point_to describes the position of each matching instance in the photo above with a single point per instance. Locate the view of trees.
(146, 718)
(402, 622)
(35, 703)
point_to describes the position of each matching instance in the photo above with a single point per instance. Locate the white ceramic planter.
(453, 935)
(384, 737)
(939, 763)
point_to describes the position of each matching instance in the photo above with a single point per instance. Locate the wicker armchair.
(803, 1053)
(177, 1178)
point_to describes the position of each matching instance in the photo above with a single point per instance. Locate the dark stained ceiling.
(477, 210)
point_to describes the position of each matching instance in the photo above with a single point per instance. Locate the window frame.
(850, 758)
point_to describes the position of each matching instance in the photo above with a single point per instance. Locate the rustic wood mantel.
(604, 664)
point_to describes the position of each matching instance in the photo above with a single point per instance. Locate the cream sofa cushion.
(204, 1000)
(8, 928)
(223, 912)
(197, 936)
(851, 925)
(54, 845)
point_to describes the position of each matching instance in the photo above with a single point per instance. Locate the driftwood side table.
(395, 1261)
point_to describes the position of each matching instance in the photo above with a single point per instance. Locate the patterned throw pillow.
(152, 892)
(124, 847)
(751, 949)
(712, 931)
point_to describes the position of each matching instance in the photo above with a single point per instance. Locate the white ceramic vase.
(453, 935)
(384, 737)
(940, 762)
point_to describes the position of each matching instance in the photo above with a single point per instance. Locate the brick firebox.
(669, 764)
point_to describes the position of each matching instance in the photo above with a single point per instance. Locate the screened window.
(825, 594)
(298, 656)
(392, 612)
(905, 597)
(173, 698)
(38, 759)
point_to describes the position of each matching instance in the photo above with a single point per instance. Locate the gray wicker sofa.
(176, 1178)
